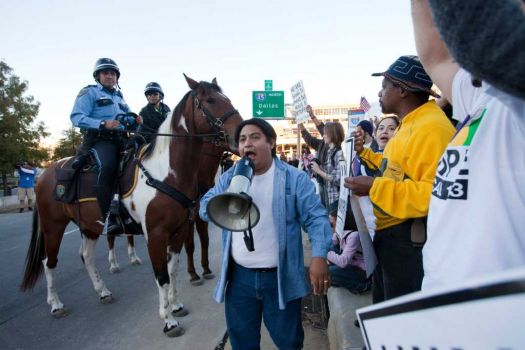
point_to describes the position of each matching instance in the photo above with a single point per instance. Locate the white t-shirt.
(264, 233)
(476, 220)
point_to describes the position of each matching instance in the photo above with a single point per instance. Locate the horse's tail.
(35, 255)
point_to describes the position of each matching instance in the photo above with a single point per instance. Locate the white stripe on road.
(68, 232)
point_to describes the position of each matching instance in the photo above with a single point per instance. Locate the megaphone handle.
(248, 240)
(248, 237)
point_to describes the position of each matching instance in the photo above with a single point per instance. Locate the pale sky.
(332, 45)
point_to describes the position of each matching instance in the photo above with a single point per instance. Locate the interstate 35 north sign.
(268, 104)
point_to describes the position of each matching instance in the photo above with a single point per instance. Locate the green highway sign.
(268, 104)
(268, 85)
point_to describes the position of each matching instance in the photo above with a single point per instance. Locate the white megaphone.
(234, 210)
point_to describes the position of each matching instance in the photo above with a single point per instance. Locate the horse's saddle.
(79, 185)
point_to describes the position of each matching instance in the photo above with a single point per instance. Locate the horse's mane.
(167, 127)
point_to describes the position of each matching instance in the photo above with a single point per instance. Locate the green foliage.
(19, 134)
(67, 145)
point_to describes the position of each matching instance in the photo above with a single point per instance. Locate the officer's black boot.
(79, 161)
(114, 226)
(104, 199)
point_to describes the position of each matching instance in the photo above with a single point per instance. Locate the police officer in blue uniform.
(155, 112)
(100, 112)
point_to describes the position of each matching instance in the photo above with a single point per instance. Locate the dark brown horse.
(211, 157)
(163, 212)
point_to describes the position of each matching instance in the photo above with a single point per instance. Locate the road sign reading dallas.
(268, 104)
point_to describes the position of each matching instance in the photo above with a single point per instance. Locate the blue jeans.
(252, 296)
(351, 277)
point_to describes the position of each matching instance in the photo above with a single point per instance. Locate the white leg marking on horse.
(52, 296)
(113, 264)
(132, 254)
(164, 306)
(173, 265)
(88, 249)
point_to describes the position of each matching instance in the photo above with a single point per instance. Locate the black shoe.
(114, 227)
(21, 210)
(79, 162)
(30, 209)
(356, 323)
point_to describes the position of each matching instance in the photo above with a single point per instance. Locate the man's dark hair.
(265, 127)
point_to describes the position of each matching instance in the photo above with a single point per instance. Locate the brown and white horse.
(163, 212)
(211, 156)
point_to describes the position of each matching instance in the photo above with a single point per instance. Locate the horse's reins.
(219, 135)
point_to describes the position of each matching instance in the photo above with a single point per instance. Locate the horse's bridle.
(215, 123)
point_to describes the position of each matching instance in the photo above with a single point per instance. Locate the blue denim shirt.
(295, 205)
(95, 103)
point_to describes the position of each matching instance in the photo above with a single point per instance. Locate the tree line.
(20, 133)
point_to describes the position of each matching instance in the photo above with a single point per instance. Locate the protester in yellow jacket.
(408, 166)
(401, 195)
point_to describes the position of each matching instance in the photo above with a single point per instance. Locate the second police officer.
(155, 112)
(101, 112)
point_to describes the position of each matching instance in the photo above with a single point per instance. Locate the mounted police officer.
(101, 113)
(155, 112)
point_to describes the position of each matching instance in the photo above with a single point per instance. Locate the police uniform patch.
(60, 190)
(84, 90)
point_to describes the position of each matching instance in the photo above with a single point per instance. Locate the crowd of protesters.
(443, 204)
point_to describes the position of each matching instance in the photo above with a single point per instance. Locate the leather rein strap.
(167, 189)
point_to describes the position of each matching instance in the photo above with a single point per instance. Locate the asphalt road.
(130, 322)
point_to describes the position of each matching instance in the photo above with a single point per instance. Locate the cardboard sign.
(484, 313)
(343, 191)
(299, 102)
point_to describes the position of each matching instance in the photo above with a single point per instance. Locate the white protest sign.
(299, 102)
(343, 191)
(486, 313)
(357, 210)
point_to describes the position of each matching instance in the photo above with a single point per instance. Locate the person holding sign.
(329, 171)
(401, 194)
(328, 155)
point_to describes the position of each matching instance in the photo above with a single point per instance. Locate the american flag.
(364, 105)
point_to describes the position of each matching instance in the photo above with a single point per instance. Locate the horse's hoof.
(136, 262)
(174, 331)
(198, 282)
(59, 313)
(108, 299)
(180, 312)
(114, 269)
(208, 276)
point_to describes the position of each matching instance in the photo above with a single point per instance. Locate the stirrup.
(114, 228)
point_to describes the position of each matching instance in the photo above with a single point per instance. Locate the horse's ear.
(191, 83)
(214, 81)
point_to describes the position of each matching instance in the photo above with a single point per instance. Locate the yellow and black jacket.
(408, 165)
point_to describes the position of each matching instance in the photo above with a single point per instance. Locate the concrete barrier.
(342, 334)
(8, 203)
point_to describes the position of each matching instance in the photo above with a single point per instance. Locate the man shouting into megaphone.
(269, 280)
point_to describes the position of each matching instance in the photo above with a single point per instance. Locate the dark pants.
(350, 277)
(400, 265)
(106, 154)
(252, 296)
